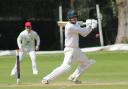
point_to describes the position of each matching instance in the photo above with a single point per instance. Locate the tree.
(82, 7)
(122, 35)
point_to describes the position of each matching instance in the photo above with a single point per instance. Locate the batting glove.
(91, 23)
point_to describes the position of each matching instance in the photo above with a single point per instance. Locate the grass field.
(109, 72)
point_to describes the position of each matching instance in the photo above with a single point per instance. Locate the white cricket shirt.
(72, 32)
(27, 39)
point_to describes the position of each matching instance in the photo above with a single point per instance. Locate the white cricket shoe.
(76, 81)
(44, 81)
(13, 72)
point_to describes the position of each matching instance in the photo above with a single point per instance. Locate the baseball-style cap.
(28, 24)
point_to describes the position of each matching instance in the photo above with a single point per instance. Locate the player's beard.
(73, 20)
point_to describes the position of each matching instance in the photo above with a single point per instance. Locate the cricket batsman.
(72, 51)
(26, 43)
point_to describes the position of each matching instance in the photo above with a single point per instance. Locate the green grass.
(109, 72)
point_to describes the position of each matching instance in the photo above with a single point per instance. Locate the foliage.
(87, 9)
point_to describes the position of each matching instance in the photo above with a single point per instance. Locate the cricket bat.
(18, 67)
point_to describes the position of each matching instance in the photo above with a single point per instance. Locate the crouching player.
(26, 43)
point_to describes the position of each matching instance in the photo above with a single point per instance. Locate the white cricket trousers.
(71, 55)
(32, 55)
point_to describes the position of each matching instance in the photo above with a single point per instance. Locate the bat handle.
(17, 52)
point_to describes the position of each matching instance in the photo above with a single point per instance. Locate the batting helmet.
(71, 13)
(28, 24)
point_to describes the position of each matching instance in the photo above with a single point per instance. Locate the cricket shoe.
(76, 81)
(13, 72)
(44, 81)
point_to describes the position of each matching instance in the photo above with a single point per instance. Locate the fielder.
(72, 51)
(26, 43)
